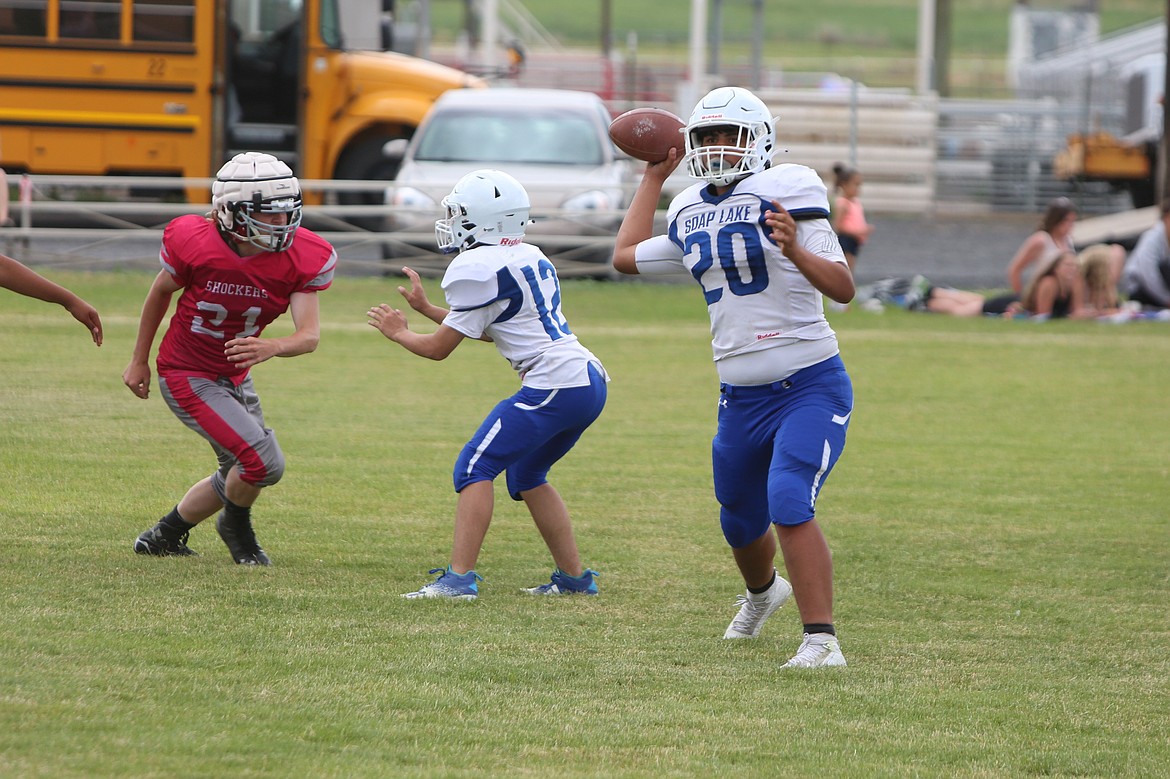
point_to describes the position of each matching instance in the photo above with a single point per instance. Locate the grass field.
(999, 524)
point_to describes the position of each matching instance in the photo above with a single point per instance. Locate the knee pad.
(523, 482)
(738, 531)
(470, 468)
(219, 484)
(274, 468)
(263, 464)
(791, 500)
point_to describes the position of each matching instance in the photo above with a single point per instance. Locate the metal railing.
(94, 222)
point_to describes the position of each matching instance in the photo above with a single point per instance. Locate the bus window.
(330, 25)
(23, 17)
(101, 19)
(265, 66)
(165, 20)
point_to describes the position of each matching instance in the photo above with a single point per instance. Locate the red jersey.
(227, 296)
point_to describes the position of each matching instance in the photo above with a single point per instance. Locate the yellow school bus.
(175, 87)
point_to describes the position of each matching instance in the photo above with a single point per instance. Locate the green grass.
(998, 521)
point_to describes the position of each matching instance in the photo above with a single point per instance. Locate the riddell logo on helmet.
(511, 241)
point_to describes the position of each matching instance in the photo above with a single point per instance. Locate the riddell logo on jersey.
(511, 241)
(762, 336)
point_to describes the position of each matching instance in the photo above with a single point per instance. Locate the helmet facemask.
(254, 183)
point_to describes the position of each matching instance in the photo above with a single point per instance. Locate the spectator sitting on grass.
(1052, 236)
(1057, 292)
(1098, 266)
(1146, 278)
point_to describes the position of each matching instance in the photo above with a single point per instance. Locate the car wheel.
(364, 161)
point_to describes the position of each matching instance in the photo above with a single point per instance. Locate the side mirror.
(395, 149)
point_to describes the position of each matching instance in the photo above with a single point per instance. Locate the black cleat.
(241, 541)
(161, 541)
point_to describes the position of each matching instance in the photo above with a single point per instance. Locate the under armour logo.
(722, 402)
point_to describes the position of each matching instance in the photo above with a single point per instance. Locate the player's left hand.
(781, 224)
(416, 296)
(389, 321)
(246, 352)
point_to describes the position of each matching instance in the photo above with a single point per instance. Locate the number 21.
(218, 315)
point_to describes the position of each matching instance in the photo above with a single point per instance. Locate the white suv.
(553, 141)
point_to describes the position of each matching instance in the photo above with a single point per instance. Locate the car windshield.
(535, 138)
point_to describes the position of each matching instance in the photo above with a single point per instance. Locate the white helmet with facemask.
(256, 183)
(741, 112)
(485, 207)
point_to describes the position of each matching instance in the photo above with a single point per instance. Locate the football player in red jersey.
(238, 269)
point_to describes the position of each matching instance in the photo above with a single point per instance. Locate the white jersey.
(512, 294)
(1147, 269)
(758, 300)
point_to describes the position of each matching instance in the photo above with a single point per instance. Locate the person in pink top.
(1052, 237)
(238, 269)
(848, 216)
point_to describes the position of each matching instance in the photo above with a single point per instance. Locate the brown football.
(647, 133)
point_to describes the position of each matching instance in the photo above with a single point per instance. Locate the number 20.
(724, 250)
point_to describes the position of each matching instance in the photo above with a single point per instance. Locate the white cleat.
(754, 609)
(818, 650)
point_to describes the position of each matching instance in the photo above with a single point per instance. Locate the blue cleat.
(448, 584)
(563, 584)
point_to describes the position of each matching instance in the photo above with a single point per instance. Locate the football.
(647, 133)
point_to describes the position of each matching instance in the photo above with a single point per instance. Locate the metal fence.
(997, 155)
(989, 155)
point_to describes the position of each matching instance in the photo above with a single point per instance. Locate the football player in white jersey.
(757, 239)
(503, 290)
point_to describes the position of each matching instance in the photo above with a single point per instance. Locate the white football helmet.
(486, 206)
(256, 183)
(732, 107)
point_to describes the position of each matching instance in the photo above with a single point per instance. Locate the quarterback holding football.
(757, 239)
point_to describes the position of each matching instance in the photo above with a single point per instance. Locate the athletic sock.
(174, 522)
(814, 627)
(765, 588)
(237, 514)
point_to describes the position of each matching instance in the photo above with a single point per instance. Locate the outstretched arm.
(306, 316)
(830, 278)
(391, 323)
(1027, 254)
(416, 296)
(25, 281)
(638, 223)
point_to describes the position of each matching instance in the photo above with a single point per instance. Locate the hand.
(662, 170)
(137, 378)
(416, 296)
(87, 315)
(389, 321)
(246, 352)
(782, 225)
